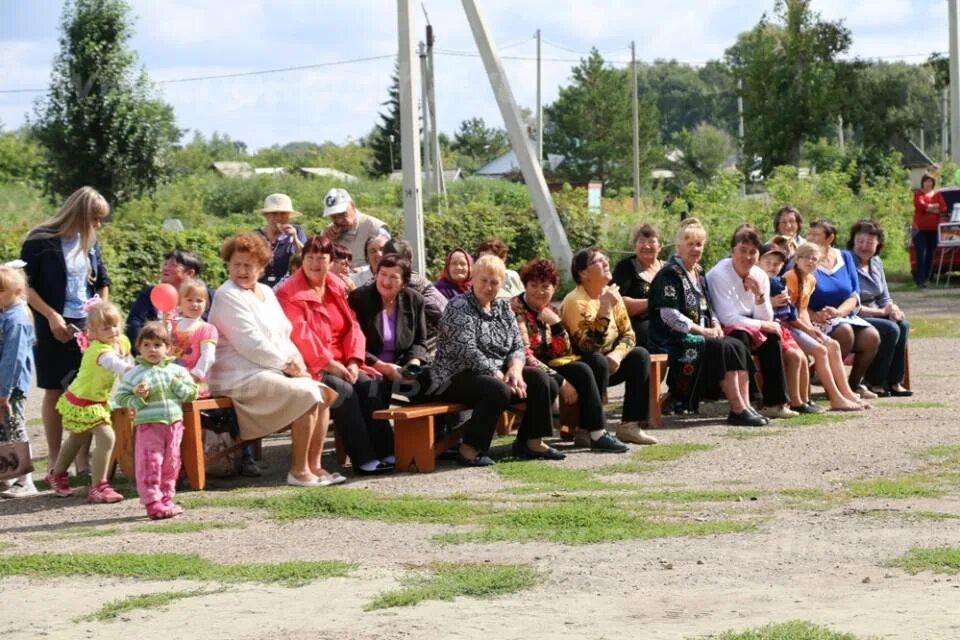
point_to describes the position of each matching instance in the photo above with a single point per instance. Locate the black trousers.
(365, 439)
(634, 372)
(583, 378)
(490, 397)
(771, 366)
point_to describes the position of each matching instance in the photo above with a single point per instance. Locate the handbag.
(15, 460)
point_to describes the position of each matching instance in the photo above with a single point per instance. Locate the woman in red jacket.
(333, 346)
(928, 210)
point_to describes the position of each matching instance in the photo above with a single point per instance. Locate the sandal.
(158, 511)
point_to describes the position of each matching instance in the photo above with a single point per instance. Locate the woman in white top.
(260, 369)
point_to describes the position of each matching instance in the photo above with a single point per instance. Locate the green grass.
(168, 566)
(547, 477)
(446, 581)
(806, 493)
(669, 451)
(910, 486)
(696, 495)
(584, 522)
(114, 608)
(188, 527)
(910, 404)
(361, 504)
(747, 434)
(78, 532)
(934, 327)
(804, 419)
(949, 451)
(936, 559)
(792, 630)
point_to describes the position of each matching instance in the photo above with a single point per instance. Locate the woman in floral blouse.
(481, 363)
(548, 347)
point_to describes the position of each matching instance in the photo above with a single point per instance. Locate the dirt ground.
(822, 563)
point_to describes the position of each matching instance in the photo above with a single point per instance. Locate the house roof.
(232, 169)
(508, 163)
(913, 157)
(449, 175)
(327, 172)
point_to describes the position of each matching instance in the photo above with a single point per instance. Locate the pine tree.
(101, 124)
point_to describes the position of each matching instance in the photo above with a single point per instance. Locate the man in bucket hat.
(285, 239)
(350, 227)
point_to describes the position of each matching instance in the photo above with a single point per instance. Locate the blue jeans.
(925, 245)
(887, 368)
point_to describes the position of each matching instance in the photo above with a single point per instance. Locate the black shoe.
(746, 419)
(608, 443)
(520, 450)
(880, 391)
(807, 407)
(757, 414)
(479, 460)
(900, 393)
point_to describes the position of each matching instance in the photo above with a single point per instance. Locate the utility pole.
(539, 108)
(634, 102)
(425, 120)
(410, 136)
(945, 123)
(954, 84)
(532, 173)
(740, 134)
(437, 185)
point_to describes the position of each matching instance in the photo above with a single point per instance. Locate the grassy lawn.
(936, 559)
(793, 630)
(446, 581)
(115, 608)
(934, 327)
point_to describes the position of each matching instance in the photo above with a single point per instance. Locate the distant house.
(326, 172)
(449, 175)
(269, 171)
(507, 165)
(232, 169)
(912, 158)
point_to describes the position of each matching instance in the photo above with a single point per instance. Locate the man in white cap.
(350, 227)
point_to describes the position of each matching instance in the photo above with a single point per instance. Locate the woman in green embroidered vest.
(683, 327)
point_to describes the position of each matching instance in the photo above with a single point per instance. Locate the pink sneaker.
(103, 492)
(59, 482)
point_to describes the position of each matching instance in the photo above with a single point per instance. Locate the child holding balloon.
(194, 340)
(84, 405)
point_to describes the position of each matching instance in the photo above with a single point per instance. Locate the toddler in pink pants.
(156, 388)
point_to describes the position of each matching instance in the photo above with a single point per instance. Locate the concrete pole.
(436, 185)
(840, 131)
(954, 84)
(945, 124)
(539, 107)
(740, 136)
(516, 131)
(425, 120)
(410, 136)
(635, 104)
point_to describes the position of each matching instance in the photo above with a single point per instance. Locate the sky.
(177, 39)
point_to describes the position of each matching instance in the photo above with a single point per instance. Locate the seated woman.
(259, 368)
(601, 334)
(455, 278)
(511, 279)
(885, 375)
(334, 349)
(548, 347)
(480, 363)
(634, 274)
(787, 223)
(392, 318)
(682, 326)
(835, 302)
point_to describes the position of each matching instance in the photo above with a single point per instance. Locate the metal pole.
(425, 120)
(740, 135)
(635, 104)
(944, 123)
(532, 173)
(436, 185)
(410, 136)
(539, 108)
(954, 85)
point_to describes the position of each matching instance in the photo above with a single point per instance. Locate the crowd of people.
(335, 326)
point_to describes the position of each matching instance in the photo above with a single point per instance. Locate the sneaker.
(779, 411)
(59, 482)
(631, 432)
(249, 469)
(17, 490)
(864, 393)
(608, 443)
(581, 438)
(103, 493)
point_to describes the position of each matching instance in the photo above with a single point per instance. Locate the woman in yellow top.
(599, 325)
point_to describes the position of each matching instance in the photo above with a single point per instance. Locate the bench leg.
(191, 450)
(656, 375)
(906, 367)
(123, 449)
(413, 445)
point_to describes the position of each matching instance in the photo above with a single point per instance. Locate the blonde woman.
(64, 269)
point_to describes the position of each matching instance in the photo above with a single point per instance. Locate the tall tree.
(384, 141)
(791, 80)
(590, 124)
(100, 123)
(476, 144)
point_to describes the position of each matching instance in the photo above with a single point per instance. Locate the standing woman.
(64, 270)
(285, 239)
(457, 271)
(635, 273)
(929, 207)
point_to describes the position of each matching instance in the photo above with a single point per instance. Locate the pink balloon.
(164, 297)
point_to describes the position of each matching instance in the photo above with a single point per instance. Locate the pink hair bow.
(91, 303)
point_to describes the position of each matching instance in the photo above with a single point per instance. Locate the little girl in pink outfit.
(194, 341)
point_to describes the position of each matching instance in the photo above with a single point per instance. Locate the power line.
(260, 72)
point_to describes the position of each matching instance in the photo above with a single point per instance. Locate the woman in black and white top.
(480, 363)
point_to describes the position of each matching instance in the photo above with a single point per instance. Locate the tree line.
(101, 122)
